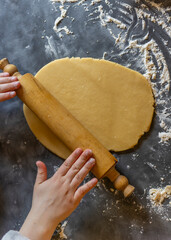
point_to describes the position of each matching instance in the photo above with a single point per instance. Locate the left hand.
(8, 86)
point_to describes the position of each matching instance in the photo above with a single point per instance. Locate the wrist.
(37, 228)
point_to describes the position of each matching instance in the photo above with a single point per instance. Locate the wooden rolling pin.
(65, 126)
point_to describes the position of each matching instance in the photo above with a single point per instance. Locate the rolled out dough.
(113, 102)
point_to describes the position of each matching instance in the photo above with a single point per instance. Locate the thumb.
(41, 172)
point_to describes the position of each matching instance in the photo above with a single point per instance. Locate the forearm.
(37, 228)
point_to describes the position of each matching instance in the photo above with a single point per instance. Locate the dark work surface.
(102, 214)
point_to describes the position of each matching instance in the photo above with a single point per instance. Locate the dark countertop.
(102, 214)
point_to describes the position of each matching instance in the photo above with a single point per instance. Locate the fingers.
(81, 191)
(79, 177)
(7, 79)
(69, 161)
(4, 74)
(76, 167)
(41, 172)
(6, 87)
(6, 96)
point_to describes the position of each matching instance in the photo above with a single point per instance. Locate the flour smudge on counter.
(158, 197)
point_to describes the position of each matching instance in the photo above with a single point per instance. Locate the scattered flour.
(57, 29)
(59, 232)
(50, 47)
(106, 18)
(93, 2)
(62, 234)
(152, 166)
(165, 136)
(154, 64)
(55, 168)
(158, 195)
(104, 55)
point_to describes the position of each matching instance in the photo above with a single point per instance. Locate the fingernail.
(92, 160)
(94, 181)
(13, 78)
(78, 150)
(37, 163)
(6, 74)
(16, 84)
(12, 94)
(88, 151)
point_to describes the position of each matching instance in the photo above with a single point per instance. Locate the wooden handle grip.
(59, 120)
(120, 182)
(10, 68)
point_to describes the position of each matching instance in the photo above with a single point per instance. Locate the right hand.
(56, 198)
(8, 86)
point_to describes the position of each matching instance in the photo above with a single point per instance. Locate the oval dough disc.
(113, 102)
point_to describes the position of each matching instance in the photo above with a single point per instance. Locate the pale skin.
(54, 199)
(8, 86)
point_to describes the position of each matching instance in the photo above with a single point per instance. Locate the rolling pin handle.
(128, 190)
(120, 182)
(10, 68)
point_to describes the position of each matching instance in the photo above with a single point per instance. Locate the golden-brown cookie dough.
(113, 102)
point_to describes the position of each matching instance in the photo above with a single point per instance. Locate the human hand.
(8, 86)
(56, 198)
